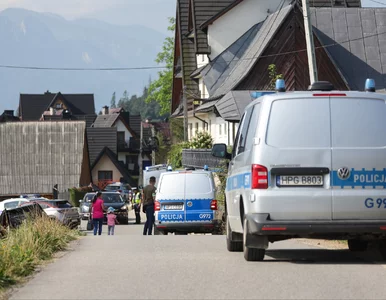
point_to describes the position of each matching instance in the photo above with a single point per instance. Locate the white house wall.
(121, 127)
(232, 25)
(220, 130)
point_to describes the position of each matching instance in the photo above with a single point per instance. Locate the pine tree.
(113, 104)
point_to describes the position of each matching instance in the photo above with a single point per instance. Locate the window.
(219, 129)
(237, 137)
(197, 182)
(111, 198)
(196, 128)
(172, 184)
(252, 127)
(358, 122)
(299, 123)
(105, 175)
(58, 106)
(121, 137)
(190, 129)
(243, 133)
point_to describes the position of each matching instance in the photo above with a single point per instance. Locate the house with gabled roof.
(57, 106)
(241, 28)
(115, 137)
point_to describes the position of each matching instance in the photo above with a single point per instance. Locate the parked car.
(308, 164)
(14, 217)
(186, 203)
(61, 210)
(123, 188)
(110, 199)
(12, 203)
(114, 200)
(84, 207)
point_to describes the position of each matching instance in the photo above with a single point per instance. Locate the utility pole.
(153, 151)
(310, 43)
(185, 101)
(140, 179)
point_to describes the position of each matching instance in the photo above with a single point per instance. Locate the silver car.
(60, 210)
(308, 164)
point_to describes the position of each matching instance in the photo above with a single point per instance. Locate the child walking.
(111, 221)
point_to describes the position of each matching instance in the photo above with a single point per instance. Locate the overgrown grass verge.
(24, 248)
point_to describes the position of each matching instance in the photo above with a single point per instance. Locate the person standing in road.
(97, 210)
(111, 221)
(148, 206)
(137, 206)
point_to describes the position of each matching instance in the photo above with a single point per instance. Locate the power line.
(164, 67)
(79, 69)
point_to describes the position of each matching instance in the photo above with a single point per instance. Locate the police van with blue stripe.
(308, 164)
(186, 203)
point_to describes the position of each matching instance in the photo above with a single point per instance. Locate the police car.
(186, 203)
(308, 164)
(154, 171)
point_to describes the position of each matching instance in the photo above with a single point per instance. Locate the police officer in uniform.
(137, 206)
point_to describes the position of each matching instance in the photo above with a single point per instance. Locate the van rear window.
(358, 122)
(299, 123)
(172, 183)
(198, 183)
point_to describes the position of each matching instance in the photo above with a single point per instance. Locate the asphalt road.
(131, 266)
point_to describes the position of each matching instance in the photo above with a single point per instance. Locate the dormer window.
(58, 106)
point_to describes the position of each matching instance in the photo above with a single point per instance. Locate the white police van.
(186, 203)
(153, 171)
(308, 164)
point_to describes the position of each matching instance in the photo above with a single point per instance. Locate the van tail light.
(157, 206)
(259, 177)
(213, 205)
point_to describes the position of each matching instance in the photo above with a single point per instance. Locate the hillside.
(46, 40)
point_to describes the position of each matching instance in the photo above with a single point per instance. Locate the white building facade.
(222, 33)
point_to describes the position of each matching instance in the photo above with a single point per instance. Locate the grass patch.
(24, 248)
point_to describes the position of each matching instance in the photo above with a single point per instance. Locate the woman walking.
(97, 213)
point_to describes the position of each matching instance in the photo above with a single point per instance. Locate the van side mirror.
(80, 201)
(220, 151)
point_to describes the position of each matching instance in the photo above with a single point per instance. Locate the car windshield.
(10, 205)
(112, 198)
(88, 197)
(112, 187)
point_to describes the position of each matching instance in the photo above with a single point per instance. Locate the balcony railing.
(198, 158)
(102, 183)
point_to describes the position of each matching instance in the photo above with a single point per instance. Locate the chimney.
(9, 113)
(105, 110)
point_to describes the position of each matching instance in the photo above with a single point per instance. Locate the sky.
(150, 13)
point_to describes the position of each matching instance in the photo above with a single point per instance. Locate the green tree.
(202, 140)
(112, 103)
(160, 90)
(273, 76)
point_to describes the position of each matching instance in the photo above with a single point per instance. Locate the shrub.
(77, 194)
(202, 140)
(25, 247)
(175, 154)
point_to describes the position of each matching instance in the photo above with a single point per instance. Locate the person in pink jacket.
(97, 210)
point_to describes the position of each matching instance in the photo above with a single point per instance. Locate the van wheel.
(232, 246)
(357, 245)
(251, 254)
(157, 231)
(382, 248)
